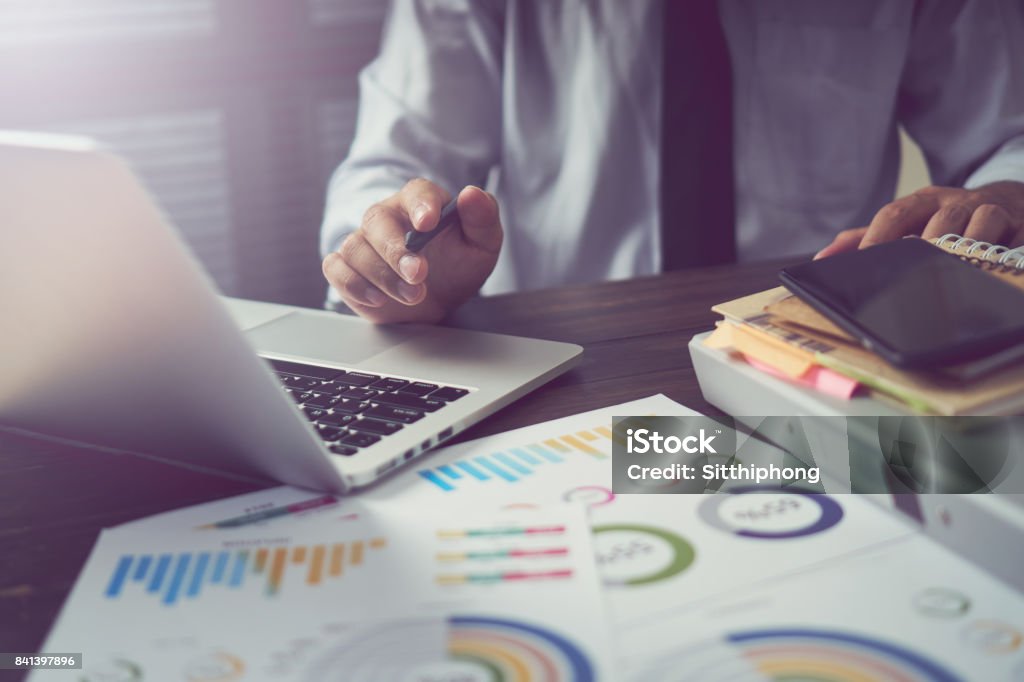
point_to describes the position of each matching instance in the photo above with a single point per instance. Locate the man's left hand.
(991, 213)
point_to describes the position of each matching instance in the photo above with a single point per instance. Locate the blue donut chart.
(831, 513)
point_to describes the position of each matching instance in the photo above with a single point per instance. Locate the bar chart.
(517, 463)
(172, 577)
(502, 554)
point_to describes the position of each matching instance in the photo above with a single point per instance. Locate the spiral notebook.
(987, 386)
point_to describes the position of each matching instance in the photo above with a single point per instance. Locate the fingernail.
(408, 292)
(419, 213)
(409, 266)
(375, 297)
(818, 255)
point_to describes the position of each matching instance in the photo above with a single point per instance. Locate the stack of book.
(778, 334)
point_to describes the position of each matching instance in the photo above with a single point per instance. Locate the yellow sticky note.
(721, 338)
(793, 362)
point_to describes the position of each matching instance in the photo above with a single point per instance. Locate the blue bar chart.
(518, 463)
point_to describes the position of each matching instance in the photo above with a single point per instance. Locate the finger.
(950, 219)
(384, 227)
(988, 224)
(350, 285)
(480, 219)
(365, 261)
(847, 240)
(422, 201)
(900, 218)
(1017, 240)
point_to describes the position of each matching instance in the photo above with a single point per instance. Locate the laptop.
(114, 335)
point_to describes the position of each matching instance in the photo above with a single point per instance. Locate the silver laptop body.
(112, 334)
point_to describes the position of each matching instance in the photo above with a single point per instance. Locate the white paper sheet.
(667, 564)
(906, 610)
(335, 597)
(655, 552)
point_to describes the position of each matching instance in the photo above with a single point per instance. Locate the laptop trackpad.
(335, 338)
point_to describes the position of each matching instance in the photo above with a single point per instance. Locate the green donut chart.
(680, 553)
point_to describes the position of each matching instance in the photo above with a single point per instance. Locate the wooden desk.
(54, 499)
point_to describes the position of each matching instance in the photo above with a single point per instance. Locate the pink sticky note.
(819, 378)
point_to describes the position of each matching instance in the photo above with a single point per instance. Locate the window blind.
(234, 113)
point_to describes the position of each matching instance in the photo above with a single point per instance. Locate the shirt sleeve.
(429, 106)
(962, 91)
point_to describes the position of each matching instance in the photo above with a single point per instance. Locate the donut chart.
(217, 666)
(808, 655)
(464, 648)
(516, 651)
(832, 656)
(631, 555)
(113, 670)
(590, 495)
(770, 514)
(941, 602)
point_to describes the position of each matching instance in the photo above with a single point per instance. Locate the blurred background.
(234, 112)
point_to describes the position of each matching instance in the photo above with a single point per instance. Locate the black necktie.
(697, 204)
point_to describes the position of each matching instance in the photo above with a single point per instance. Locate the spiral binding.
(993, 254)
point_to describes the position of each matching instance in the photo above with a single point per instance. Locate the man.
(555, 107)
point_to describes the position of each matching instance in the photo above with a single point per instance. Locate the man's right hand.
(381, 280)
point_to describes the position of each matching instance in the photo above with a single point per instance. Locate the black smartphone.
(917, 306)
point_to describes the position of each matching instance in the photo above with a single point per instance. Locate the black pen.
(415, 241)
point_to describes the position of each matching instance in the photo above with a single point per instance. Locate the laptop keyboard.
(354, 410)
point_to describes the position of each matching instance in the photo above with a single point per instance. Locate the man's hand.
(991, 213)
(383, 282)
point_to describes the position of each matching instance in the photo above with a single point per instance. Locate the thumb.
(478, 214)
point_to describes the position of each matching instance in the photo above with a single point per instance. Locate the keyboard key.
(334, 387)
(348, 406)
(330, 433)
(337, 419)
(313, 371)
(391, 413)
(418, 388)
(448, 393)
(346, 391)
(403, 400)
(314, 413)
(360, 378)
(343, 450)
(360, 440)
(387, 384)
(373, 426)
(359, 393)
(323, 400)
(303, 396)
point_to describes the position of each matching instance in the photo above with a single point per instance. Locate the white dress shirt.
(554, 105)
